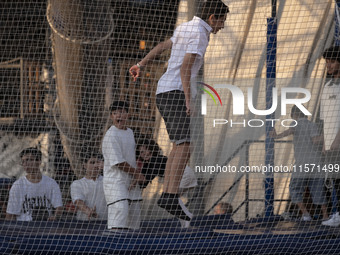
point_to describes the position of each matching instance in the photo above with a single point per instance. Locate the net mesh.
(64, 62)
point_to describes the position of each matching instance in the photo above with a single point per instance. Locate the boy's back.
(118, 147)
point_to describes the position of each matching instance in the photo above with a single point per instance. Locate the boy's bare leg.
(175, 166)
(303, 208)
(324, 212)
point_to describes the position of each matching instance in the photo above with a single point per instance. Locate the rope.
(55, 30)
(61, 129)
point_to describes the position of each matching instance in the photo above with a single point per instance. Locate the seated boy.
(34, 196)
(88, 193)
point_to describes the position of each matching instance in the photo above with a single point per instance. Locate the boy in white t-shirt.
(34, 196)
(87, 193)
(121, 176)
(330, 114)
(307, 142)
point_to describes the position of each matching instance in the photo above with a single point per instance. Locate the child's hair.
(149, 144)
(119, 105)
(96, 155)
(332, 53)
(32, 150)
(88, 151)
(212, 7)
(297, 112)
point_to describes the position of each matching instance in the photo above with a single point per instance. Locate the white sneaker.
(184, 223)
(333, 221)
(306, 217)
(185, 209)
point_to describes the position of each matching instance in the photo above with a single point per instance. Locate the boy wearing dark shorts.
(175, 94)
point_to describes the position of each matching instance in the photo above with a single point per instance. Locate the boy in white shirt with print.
(34, 197)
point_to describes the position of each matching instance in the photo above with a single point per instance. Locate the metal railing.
(246, 144)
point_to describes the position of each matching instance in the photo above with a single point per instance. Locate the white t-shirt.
(119, 146)
(189, 179)
(189, 37)
(330, 111)
(26, 197)
(92, 193)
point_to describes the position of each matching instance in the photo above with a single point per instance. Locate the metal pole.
(247, 184)
(270, 84)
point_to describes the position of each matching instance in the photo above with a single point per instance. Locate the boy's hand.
(92, 213)
(137, 178)
(58, 212)
(52, 218)
(191, 109)
(135, 72)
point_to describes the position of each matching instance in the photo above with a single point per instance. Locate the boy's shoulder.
(19, 181)
(115, 133)
(114, 129)
(48, 180)
(191, 27)
(80, 181)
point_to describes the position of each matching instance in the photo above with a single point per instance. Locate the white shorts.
(124, 214)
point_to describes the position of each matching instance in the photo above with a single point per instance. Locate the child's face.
(30, 164)
(145, 154)
(93, 166)
(217, 24)
(333, 67)
(218, 210)
(119, 118)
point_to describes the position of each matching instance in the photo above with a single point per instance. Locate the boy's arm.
(285, 133)
(10, 216)
(135, 70)
(90, 212)
(135, 172)
(185, 70)
(13, 204)
(126, 167)
(78, 199)
(57, 202)
(57, 214)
